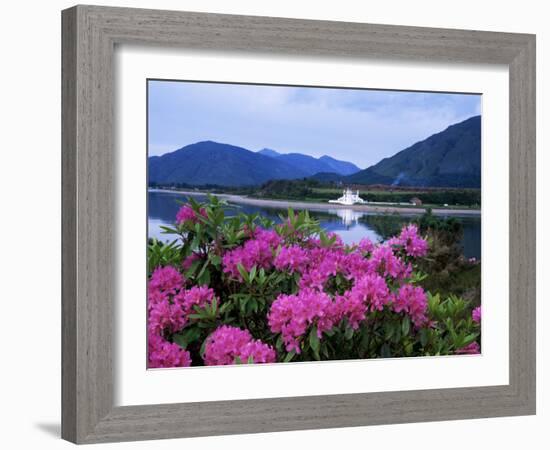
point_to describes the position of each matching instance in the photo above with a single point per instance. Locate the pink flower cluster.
(385, 262)
(164, 314)
(166, 280)
(369, 271)
(196, 296)
(470, 349)
(187, 213)
(258, 251)
(166, 354)
(371, 276)
(476, 314)
(227, 343)
(169, 305)
(413, 244)
(370, 292)
(293, 315)
(365, 245)
(293, 259)
(412, 300)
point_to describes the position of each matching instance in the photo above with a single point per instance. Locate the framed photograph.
(277, 224)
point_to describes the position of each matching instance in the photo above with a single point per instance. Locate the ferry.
(348, 198)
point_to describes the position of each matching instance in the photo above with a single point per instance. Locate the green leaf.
(243, 272)
(204, 278)
(424, 337)
(385, 351)
(279, 343)
(186, 337)
(215, 259)
(289, 356)
(252, 274)
(314, 339)
(168, 230)
(405, 325)
(203, 348)
(192, 269)
(348, 333)
(469, 339)
(314, 342)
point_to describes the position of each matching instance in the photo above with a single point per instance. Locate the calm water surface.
(350, 225)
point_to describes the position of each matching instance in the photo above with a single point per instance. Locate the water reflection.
(350, 225)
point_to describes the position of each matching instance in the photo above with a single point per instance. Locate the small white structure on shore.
(349, 198)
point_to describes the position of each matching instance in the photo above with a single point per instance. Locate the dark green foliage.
(314, 190)
(287, 189)
(449, 272)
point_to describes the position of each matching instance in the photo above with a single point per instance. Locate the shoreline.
(316, 206)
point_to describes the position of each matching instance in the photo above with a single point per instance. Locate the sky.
(357, 125)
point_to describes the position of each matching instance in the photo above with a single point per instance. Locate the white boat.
(348, 198)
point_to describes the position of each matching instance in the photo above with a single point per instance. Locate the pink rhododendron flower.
(187, 213)
(293, 315)
(355, 266)
(323, 263)
(373, 290)
(293, 259)
(268, 236)
(196, 296)
(369, 292)
(476, 314)
(166, 354)
(350, 307)
(413, 244)
(386, 263)
(257, 252)
(227, 343)
(156, 296)
(394, 241)
(166, 317)
(258, 352)
(470, 349)
(365, 245)
(165, 279)
(413, 301)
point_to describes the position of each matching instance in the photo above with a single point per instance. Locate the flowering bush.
(243, 290)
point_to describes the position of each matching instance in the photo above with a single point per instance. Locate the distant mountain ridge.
(209, 162)
(312, 165)
(450, 158)
(214, 163)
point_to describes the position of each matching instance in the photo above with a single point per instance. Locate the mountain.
(269, 152)
(210, 162)
(328, 177)
(312, 165)
(341, 167)
(451, 158)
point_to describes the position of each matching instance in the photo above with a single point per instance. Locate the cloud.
(362, 126)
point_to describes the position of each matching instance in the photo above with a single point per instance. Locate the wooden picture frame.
(90, 34)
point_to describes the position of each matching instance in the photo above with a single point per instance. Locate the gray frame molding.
(89, 37)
